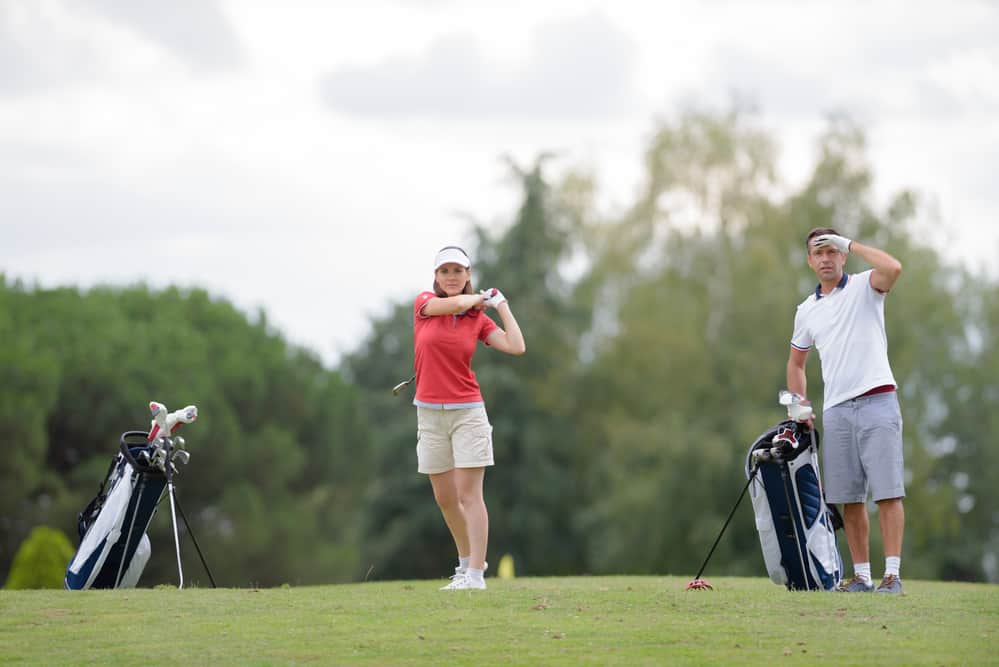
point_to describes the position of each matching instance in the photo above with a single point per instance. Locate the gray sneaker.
(854, 585)
(890, 584)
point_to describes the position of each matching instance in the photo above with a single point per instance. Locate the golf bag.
(114, 547)
(796, 527)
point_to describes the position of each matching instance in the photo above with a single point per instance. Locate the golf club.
(402, 385)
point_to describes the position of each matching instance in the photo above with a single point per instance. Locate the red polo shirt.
(444, 345)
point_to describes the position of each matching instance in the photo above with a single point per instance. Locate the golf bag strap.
(127, 452)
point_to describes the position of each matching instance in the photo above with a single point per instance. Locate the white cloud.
(38, 51)
(195, 31)
(578, 68)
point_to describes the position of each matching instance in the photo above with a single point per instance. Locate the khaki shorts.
(448, 439)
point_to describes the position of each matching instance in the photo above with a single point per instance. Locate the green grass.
(571, 621)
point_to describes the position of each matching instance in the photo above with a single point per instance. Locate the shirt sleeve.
(487, 327)
(801, 339)
(421, 301)
(866, 280)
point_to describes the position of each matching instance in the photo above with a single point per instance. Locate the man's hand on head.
(841, 243)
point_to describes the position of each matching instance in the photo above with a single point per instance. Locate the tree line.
(658, 336)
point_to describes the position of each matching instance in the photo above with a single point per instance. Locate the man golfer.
(862, 449)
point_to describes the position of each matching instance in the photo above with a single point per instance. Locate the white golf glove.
(841, 243)
(800, 412)
(493, 297)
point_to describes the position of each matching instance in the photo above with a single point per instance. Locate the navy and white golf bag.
(114, 547)
(796, 527)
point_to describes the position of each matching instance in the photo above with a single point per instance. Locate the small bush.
(41, 560)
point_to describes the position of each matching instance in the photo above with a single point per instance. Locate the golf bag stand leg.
(190, 532)
(173, 517)
(749, 481)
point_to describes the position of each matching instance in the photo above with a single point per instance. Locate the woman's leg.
(468, 485)
(448, 499)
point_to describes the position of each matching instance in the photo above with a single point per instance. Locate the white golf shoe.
(463, 582)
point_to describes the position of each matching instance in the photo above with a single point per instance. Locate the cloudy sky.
(310, 157)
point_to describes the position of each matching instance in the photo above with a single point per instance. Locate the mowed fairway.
(525, 621)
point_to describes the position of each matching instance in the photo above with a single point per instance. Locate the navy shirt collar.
(841, 284)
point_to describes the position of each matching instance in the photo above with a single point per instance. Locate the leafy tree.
(278, 454)
(41, 560)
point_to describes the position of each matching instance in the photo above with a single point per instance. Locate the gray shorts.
(862, 448)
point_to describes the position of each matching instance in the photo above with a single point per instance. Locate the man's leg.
(857, 527)
(846, 484)
(881, 450)
(891, 518)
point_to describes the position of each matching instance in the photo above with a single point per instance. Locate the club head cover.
(157, 427)
(182, 416)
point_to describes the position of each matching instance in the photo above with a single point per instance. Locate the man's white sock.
(475, 575)
(892, 565)
(863, 570)
(463, 563)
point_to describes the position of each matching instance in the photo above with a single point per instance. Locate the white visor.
(451, 256)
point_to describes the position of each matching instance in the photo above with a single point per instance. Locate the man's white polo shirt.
(847, 327)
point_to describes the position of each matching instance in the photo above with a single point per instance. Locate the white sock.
(475, 575)
(863, 570)
(892, 565)
(463, 562)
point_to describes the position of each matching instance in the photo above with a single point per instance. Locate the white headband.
(451, 255)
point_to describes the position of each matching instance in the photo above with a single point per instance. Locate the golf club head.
(179, 442)
(699, 585)
(181, 456)
(402, 385)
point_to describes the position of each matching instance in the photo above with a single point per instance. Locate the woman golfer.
(454, 437)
